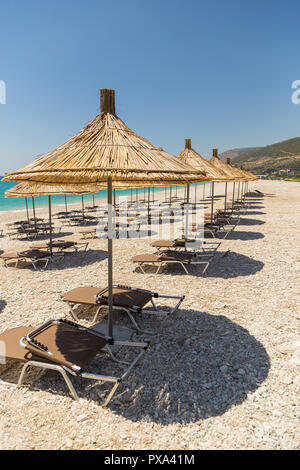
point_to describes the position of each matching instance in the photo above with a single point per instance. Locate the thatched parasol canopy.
(233, 173)
(37, 189)
(195, 160)
(105, 148)
(248, 174)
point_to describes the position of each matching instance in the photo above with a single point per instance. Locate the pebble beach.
(221, 373)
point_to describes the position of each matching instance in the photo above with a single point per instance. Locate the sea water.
(18, 203)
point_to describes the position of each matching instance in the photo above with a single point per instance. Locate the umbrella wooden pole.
(148, 200)
(50, 226)
(82, 204)
(110, 258)
(212, 202)
(238, 195)
(66, 207)
(33, 210)
(27, 212)
(136, 195)
(149, 216)
(176, 191)
(114, 198)
(195, 193)
(187, 193)
(225, 202)
(233, 191)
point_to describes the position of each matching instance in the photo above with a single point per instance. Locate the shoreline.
(89, 196)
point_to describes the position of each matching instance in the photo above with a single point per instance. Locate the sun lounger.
(90, 233)
(126, 299)
(65, 347)
(259, 193)
(32, 257)
(63, 245)
(22, 233)
(185, 259)
(186, 244)
(87, 219)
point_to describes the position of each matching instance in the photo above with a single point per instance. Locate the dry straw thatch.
(26, 189)
(105, 148)
(36, 189)
(248, 174)
(194, 159)
(230, 171)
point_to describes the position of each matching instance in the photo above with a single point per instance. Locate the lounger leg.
(114, 358)
(205, 268)
(97, 313)
(158, 267)
(33, 264)
(136, 325)
(159, 312)
(11, 384)
(69, 383)
(52, 367)
(111, 394)
(185, 269)
(73, 314)
(141, 268)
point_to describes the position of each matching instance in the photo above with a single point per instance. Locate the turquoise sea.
(11, 204)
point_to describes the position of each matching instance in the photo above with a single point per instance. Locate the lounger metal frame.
(134, 309)
(27, 259)
(160, 263)
(64, 371)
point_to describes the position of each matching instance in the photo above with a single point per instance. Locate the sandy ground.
(222, 373)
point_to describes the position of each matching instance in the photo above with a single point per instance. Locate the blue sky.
(217, 72)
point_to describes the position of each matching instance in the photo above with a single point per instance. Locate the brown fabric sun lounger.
(63, 245)
(191, 244)
(131, 301)
(174, 244)
(184, 258)
(89, 233)
(32, 257)
(65, 347)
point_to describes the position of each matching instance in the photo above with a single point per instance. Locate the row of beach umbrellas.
(106, 153)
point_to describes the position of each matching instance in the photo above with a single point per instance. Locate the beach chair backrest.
(65, 343)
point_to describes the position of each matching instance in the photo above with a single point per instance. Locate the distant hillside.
(282, 155)
(234, 153)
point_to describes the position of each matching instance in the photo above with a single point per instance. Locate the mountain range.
(274, 157)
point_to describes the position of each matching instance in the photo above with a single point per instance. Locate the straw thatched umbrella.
(250, 177)
(229, 170)
(106, 150)
(194, 159)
